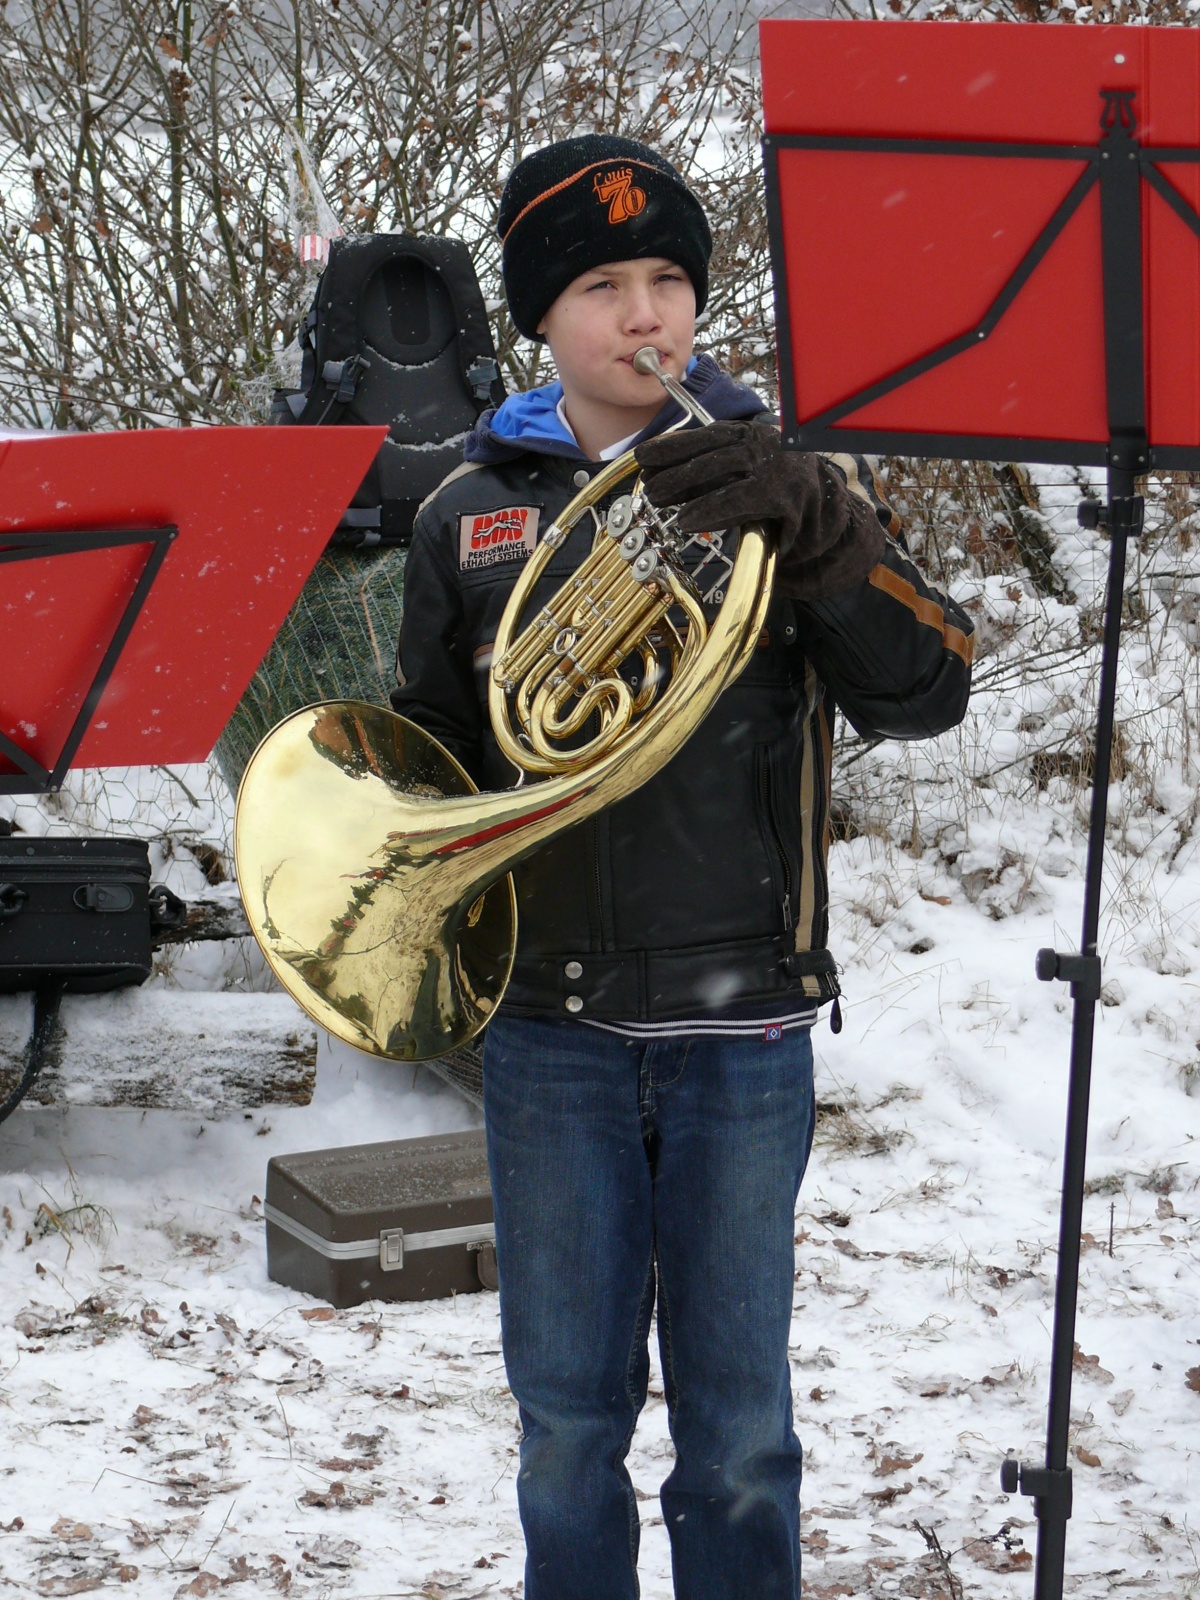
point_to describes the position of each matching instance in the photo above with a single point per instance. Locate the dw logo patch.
(487, 537)
(616, 190)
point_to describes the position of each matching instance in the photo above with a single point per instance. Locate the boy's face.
(598, 323)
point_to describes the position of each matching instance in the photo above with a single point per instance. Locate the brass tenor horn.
(375, 876)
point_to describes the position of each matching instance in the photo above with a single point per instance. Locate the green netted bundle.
(338, 642)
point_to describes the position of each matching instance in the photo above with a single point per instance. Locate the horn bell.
(362, 915)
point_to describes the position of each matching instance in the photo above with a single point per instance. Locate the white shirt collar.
(610, 451)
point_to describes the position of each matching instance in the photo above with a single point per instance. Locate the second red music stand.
(986, 243)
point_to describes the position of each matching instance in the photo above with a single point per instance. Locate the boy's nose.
(641, 315)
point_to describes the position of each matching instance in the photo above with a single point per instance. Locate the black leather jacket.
(707, 886)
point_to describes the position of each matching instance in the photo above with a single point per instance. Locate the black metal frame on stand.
(34, 777)
(1118, 163)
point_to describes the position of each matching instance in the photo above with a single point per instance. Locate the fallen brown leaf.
(999, 1375)
(1192, 1379)
(337, 1497)
(1088, 1457)
(884, 1497)
(364, 1441)
(65, 1528)
(1089, 1366)
(319, 1314)
(849, 1248)
(997, 1557)
(204, 1583)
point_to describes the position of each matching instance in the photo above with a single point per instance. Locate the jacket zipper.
(767, 799)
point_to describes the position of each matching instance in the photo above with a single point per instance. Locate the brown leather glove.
(733, 472)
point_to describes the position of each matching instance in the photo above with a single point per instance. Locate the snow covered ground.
(174, 1424)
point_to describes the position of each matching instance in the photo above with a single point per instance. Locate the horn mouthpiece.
(646, 361)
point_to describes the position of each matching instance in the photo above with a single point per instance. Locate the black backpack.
(397, 334)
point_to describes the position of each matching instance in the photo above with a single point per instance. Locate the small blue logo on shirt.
(772, 1032)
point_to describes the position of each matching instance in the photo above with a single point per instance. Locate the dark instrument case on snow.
(74, 914)
(409, 1219)
(75, 911)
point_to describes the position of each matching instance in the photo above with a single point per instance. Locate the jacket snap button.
(574, 1003)
(581, 479)
(574, 969)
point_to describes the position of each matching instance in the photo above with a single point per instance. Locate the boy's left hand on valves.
(729, 473)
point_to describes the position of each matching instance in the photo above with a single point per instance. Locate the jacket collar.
(528, 423)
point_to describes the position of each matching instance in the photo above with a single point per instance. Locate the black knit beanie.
(581, 202)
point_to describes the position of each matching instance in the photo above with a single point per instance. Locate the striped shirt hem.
(709, 1027)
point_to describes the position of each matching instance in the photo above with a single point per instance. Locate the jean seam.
(668, 1083)
(646, 1092)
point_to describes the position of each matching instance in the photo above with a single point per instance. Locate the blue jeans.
(621, 1168)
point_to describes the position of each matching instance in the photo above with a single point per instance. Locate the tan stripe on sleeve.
(926, 611)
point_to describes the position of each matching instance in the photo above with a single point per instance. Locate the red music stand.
(986, 243)
(142, 577)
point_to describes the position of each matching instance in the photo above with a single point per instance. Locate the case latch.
(391, 1249)
(105, 897)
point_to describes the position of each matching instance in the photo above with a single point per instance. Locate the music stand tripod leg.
(1050, 1485)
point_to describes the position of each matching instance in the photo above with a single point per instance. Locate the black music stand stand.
(1118, 165)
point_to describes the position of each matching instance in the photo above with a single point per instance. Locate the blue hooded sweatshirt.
(529, 422)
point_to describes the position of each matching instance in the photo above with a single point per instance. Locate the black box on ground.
(74, 910)
(408, 1219)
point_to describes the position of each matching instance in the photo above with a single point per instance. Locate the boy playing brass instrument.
(648, 1079)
